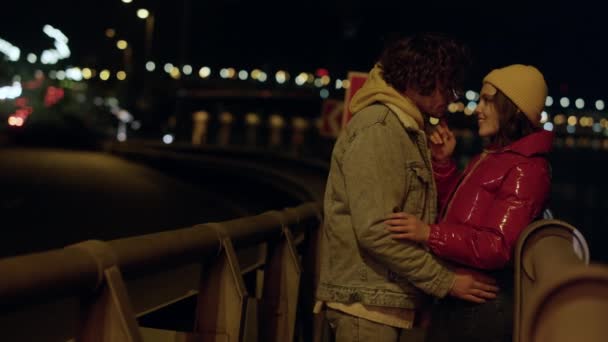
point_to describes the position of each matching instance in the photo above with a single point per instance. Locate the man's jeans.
(347, 328)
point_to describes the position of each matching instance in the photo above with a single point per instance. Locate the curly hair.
(424, 61)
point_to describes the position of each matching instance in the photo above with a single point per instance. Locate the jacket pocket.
(418, 180)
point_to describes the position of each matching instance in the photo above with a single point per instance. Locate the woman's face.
(487, 115)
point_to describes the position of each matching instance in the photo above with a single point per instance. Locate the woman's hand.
(442, 142)
(407, 226)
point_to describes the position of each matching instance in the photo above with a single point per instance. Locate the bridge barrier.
(558, 295)
(255, 279)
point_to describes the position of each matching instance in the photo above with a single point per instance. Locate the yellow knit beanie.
(524, 85)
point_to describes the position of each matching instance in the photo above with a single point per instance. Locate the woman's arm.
(520, 199)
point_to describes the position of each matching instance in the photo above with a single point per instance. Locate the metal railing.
(254, 279)
(248, 267)
(558, 295)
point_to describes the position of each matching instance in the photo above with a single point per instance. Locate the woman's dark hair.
(513, 123)
(423, 62)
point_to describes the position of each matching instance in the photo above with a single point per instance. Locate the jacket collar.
(539, 142)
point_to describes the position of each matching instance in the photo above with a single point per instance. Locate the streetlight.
(110, 33)
(144, 14)
(122, 44)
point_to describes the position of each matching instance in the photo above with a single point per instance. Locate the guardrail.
(558, 295)
(260, 266)
(253, 278)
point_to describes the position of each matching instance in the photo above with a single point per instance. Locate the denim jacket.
(380, 164)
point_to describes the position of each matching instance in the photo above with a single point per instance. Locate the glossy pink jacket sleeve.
(521, 197)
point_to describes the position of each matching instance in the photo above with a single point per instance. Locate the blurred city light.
(121, 75)
(549, 101)
(175, 74)
(127, 1)
(324, 93)
(338, 84)
(61, 50)
(252, 119)
(548, 126)
(204, 72)
(12, 52)
(276, 121)
(544, 117)
(122, 44)
(74, 74)
(571, 129)
(243, 74)
(453, 107)
(168, 139)
(110, 33)
(15, 121)
(255, 73)
(579, 103)
(187, 69)
(597, 127)
(325, 80)
(564, 102)
(150, 66)
(301, 78)
(104, 75)
(559, 119)
(142, 13)
(263, 77)
(168, 67)
(31, 58)
(224, 73)
(471, 95)
(281, 77)
(11, 92)
(87, 73)
(599, 105)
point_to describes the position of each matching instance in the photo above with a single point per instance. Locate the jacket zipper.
(462, 180)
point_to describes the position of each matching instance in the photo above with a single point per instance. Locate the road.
(50, 198)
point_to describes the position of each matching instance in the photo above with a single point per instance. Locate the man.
(372, 284)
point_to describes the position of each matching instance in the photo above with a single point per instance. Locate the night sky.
(567, 41)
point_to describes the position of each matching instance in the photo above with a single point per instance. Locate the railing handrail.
(72, 270)
(551, 258)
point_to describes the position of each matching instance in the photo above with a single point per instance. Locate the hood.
(375, 89)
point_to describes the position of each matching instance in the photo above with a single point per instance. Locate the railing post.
(107, 315)
(281, 289)
(573, 307)
(536, 262)
(222, 296)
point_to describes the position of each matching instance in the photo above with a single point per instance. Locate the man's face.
(436, 103)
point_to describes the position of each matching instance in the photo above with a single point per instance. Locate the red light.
(53, 95)
(21, 102)
(322, 72)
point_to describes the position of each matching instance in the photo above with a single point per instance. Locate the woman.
(484, 209)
